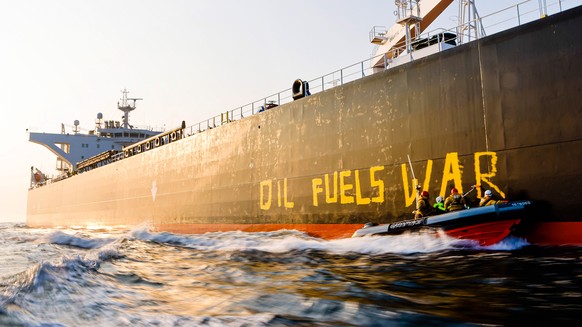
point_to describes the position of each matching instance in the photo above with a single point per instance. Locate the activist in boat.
(486, 221)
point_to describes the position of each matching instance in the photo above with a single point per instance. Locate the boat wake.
(288, 241)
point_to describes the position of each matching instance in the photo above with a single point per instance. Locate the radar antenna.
(76, 127)
(126, 107)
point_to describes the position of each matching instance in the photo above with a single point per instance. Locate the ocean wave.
(287, 241)
(62, 238)
(20, 282)
(9, 225)
(263, 319)
(281, 278)
(125, 319)
(58, 273)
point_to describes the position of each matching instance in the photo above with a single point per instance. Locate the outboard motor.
(300, 89)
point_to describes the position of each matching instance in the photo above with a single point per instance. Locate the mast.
(126, 107)
(415, 14)
(470, 22)
(408, 15)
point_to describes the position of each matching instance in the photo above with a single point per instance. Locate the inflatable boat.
(486, 225)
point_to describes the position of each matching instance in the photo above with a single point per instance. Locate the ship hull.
(502, 113)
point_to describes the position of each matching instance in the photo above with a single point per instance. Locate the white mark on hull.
(154, 190)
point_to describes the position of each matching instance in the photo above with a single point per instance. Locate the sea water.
(117, 277)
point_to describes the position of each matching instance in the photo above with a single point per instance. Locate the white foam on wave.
(226, 241)
(404, 244)
(60, 271)
(259, 319)
(510, 243)
(62, 238)
(287, 241)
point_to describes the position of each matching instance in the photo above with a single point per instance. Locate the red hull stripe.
(486, 233)
(325, 231)
(555, 233)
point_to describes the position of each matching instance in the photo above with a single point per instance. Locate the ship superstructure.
(107, 136)
(407, 40)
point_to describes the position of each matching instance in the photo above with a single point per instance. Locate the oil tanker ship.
(501, 112)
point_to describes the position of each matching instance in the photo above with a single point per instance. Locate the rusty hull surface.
(503, 113)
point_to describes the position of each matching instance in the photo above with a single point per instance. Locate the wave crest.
(62, 238)
(58, 273)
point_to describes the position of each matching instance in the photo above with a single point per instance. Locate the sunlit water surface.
(142, 278)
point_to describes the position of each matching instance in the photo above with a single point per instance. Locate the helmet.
(488, 193)
(424, 194)
(439, 199)
(454, 190)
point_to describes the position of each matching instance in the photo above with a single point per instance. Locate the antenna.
(76, 126)
(126, 107)
(98, 123)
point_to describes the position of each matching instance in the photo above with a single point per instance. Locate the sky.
(67, 60)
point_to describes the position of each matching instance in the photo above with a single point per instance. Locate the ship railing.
(150, 143)
(511, 16)
(116, 124)
(58, 178)
(153, 142)
(523, 13)
(96, 161)
(325, 82)
(503, 19)
(50, 180)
